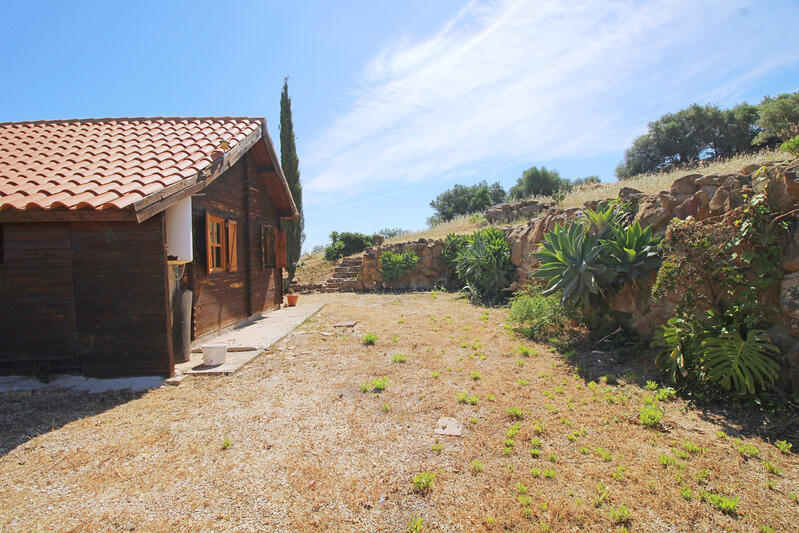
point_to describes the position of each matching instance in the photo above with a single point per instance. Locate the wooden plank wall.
(266, 289)
(37, 308)
(222, 299)
(85, 297)
(121, 298)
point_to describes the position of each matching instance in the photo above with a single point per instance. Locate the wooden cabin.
(107, 225)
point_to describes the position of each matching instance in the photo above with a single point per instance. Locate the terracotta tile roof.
(107, 163)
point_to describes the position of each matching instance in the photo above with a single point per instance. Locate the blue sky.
(395, 102)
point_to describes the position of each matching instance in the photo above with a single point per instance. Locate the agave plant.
(484, 265)
(632, 252)
(570, 262)
(738, 364)
(602, 221)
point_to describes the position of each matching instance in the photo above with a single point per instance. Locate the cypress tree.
(295, 229)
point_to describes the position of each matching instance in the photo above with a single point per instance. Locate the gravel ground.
(291, 443)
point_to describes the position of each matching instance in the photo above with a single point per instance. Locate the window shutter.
(280, 256)
(232, 250)
(209, 262)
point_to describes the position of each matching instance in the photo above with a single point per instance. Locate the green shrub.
(390, 233)
(739, 364)
(369, 339)
(537, 316)
(394, 266)
(464, 200)
(697, 353)
(478, 219)
(650, 416)
(716, 339)
(484, 265)
(453, 245)
(791, 146)
(424, 482)
(334, 251)
(725, 504)
(680, 340)
(346, 243)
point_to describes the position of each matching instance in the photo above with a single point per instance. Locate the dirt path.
(306, 449)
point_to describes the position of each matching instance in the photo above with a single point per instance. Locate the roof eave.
(67, 215)
(160, 200)
(293, 212)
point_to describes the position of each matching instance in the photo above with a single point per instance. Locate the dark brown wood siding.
(37, 306)
(121, 298)
(225, 298)
(85, 297)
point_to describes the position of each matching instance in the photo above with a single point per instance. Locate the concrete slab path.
(258, 334)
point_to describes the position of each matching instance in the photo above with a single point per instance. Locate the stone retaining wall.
(429, 272)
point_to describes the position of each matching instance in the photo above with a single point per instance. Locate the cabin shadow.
(24, 417)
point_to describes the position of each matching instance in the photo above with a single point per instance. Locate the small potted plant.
(291, 297)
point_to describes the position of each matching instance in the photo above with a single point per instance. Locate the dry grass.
(314, 269)
(652, 184)
(309, 451)
(459, 225)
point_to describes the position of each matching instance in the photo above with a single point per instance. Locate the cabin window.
(267, 247)
(221, 244)
(215, 243)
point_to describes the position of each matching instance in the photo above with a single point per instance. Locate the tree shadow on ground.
(629, 359)
(26, 415)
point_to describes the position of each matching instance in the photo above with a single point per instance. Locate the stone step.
(351, 271)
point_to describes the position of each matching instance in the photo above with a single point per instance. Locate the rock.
(696, 206)
(625, 300)
(628, 194)
(789, 302)
(791, 181)
(772, 181)
(709, 190)
(789, 353)
(449, 426)
(511, 212)
(685, 184)
(710, 179)
(669, 201)
(528, 211)
(751, 167)
(645, 314)
(727, 197)
(497, 213)
(790, 254)
(651, 212)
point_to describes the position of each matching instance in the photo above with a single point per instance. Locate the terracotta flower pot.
(292, 299)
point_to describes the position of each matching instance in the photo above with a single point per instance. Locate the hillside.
(315, 269)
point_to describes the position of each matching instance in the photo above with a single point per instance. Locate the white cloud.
(535, 80)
